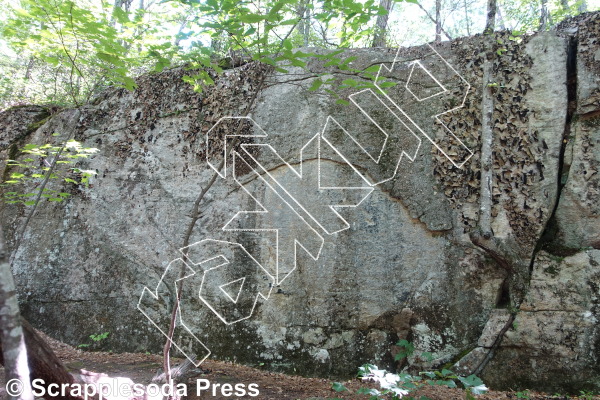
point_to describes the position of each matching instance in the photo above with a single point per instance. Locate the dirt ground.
(271, 386)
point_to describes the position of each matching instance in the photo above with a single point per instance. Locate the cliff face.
(459, 207)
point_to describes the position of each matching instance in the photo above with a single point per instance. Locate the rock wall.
(466, 219)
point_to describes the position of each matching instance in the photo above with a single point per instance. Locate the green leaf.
(408, 350)
(316, 85)
(343, 102)
(129, 83)
(252, 18)
(470, 381)
(109, 58)
(348, 60)
(372, 392)
(332, 63)
(276, 8)
(387, 84)
(213, 4)
(372, 68)
(297, 63)
(120, 15)
(338, 387)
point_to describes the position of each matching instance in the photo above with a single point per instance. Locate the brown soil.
(272, 386)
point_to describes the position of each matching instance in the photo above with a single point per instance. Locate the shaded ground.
(272, 386)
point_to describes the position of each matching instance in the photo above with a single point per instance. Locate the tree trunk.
(438, 21)
(490, 22)
(381, 24)
(124, 4)
(499, 18)
(30, 65)
(23, 353)
(177, 37)
(13, 352)
(303, 27)
(543, 15)
(467, 17)
(434, 20)
(43, 363)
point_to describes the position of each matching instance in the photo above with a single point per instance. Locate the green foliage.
(65, 51)
(407, 349)
(99, 337)
(586, 395)
(69, 38)
(396, 386)
(524, 15)
(96, 338)
(523, 395)
(36, 166)
(338, 387)
(399, 385)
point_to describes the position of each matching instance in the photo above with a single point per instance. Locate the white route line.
(227, 262)
(300, 175)
(264, 210)
(377, 83)
(223, 174)
(154, 295)
(289, 200)
(237, 297)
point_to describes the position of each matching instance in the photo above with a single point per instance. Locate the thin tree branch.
(433, 20)
(195, 215)
(38, 197)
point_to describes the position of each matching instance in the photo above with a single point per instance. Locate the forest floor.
(140, 368)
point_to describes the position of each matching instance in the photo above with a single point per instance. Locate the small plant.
(516, 36)
(339, 387)
(523, 395)
(99, 337)
(40, 165)
(407, 349)
(586, 395)
(397, 386)
(95, 338)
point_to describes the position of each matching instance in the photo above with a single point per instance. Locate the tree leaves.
(339, 387)
(33, 170)
(407, 349)
(252, 18)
